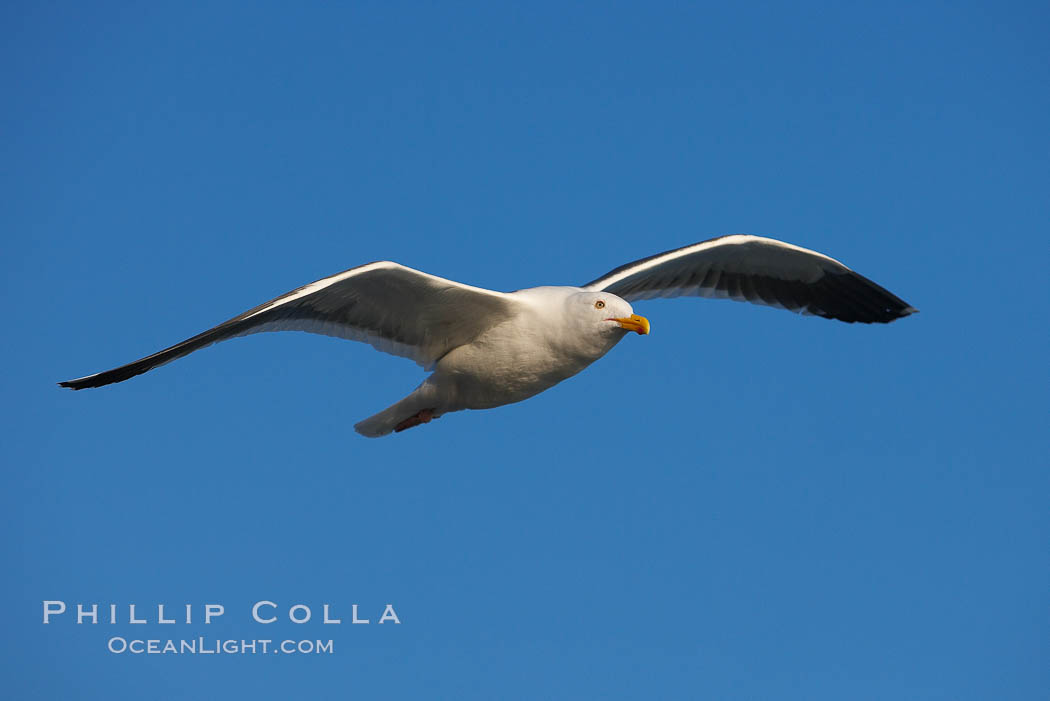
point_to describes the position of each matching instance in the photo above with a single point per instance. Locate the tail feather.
(380, 424)
(387, 420)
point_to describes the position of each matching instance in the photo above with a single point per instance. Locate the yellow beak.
(638, 324)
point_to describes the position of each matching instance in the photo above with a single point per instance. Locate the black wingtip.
(101, 379)
(898, 313)
(851, 297)
(889, 316)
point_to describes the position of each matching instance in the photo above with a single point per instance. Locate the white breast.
(523, 356)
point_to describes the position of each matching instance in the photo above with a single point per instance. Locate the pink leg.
(423, 417)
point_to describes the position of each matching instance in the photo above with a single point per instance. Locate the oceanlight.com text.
(214, 646)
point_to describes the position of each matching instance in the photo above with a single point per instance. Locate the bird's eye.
(599, 304)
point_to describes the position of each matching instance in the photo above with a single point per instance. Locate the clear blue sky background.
(745, 504)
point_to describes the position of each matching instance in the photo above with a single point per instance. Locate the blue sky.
(745, 504)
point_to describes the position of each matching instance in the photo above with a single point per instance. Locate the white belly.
(507, 364)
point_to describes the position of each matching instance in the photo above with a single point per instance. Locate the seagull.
(486, 348)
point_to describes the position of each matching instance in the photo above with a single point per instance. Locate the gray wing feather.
(393, 308)
(758, 270)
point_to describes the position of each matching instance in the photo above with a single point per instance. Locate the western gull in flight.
(486, 348)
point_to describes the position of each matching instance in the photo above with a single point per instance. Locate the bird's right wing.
(393, 308)
(759, 270)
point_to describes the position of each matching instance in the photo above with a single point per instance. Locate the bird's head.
(608, 313)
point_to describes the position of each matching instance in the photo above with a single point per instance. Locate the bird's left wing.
(393, 308)
(760, 270)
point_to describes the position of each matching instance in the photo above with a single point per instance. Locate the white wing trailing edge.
(393, 308)
(759, 270)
